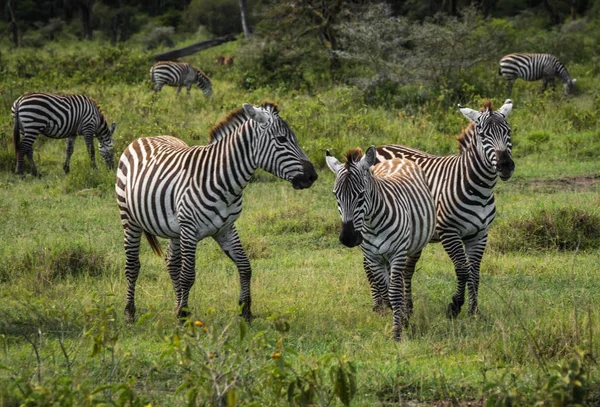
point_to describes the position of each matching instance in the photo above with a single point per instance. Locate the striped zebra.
(179, 74)
(60, 116)
(533, 67)
(166, 188)
(462, 186)
(388, 209)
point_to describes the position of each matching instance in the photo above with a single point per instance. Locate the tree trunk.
(244, 15)
(16, 32)
(85, 10)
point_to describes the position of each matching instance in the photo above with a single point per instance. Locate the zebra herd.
(392, 199)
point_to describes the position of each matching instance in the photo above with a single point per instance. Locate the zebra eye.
(281, 139)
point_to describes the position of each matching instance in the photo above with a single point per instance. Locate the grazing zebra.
(387, 209)
(179, 74)
(60, 116)
(462, 186)
(166, 188)
(533, 67)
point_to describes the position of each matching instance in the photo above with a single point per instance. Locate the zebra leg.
(178, 89)
(187, 275)
(173, 260)
(411, 262)
(544, 85)
(475, 251)
(70, 147)
(396, 293)
(377, 275)
(230, 243)
(131, 242)
(509, 85)
(454, 247)
(89, 142)
(188, 87)
(26, 150)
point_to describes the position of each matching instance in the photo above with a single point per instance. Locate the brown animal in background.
(219, 60)
(228, 60)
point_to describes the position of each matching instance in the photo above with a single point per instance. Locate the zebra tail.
(154, 244)
(16, 132)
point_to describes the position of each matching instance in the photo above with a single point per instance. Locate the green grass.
(62, 285)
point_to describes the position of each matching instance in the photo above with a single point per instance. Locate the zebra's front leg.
(454, 247)
(411, 263)
(377, 275)
(89, 142)
(132, 237)
(178, 89)
(70, 147)
(509, 86)
(475, 251)
(173, 260)
(396, 293)
(188, 243)
(230, 243)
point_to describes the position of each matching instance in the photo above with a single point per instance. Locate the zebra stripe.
(387, 209)
(60, 116)
(166, 188)
(462, 186)
(179, 74)
(533, 67)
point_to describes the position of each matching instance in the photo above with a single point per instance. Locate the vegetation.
(315, 340)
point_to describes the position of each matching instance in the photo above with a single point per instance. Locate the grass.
(62, 286)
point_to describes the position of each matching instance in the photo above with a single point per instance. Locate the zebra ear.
(506, 108)
(369, 159)
(255, 113)
(113, 127)
(333, 162)
(470, 114)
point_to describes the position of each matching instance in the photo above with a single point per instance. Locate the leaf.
(232, 398)
(243, 329)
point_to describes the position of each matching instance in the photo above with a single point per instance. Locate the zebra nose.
(506, 165)
(349, 236)
(306, 178)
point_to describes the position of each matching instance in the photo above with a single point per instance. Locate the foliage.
(158, 36)
(219, 17)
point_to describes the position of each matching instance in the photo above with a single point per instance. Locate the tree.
(16, 31)
(244, 15)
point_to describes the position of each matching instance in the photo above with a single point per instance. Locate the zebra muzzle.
(306, 178)
(505, 166)
(349, 236)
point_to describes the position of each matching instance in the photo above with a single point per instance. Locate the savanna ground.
(315, 339)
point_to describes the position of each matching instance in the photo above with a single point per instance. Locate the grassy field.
(62, 286)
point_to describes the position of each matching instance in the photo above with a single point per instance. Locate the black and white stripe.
(168, 189)
(462, 186)
(387, 209)
(533, 67)
(60, 116)
(179, 74)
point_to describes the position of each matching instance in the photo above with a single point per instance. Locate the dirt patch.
(574, 184)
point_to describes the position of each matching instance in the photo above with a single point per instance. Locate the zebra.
(179, 74)
(60, 116)
(533, 67)
(168, 189)
(462, 186)
(388, 210)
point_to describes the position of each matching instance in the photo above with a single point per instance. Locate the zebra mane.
(467, 135)
(98, 106)
(205, 76)
(233, 120)
(353, 155)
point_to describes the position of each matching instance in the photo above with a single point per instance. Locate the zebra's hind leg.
(26, 150)
(454, 247)
(132, 237)
(70, 147)
(509, 85)
(475, 251)
(173, 260)
(230, 243)
(377, 274)
(411, 262)
(396, 293)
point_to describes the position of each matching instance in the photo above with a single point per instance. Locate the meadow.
(315, 340)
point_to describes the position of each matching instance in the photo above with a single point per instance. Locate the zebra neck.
(564, 75)
(477, 170)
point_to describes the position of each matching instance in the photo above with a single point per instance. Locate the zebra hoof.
(397, 335)
(129, 314)
(452, 311)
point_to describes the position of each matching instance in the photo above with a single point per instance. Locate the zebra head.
(351, 180)
(569, 86)
(106, 142)
(493, 136)
(277, 150)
